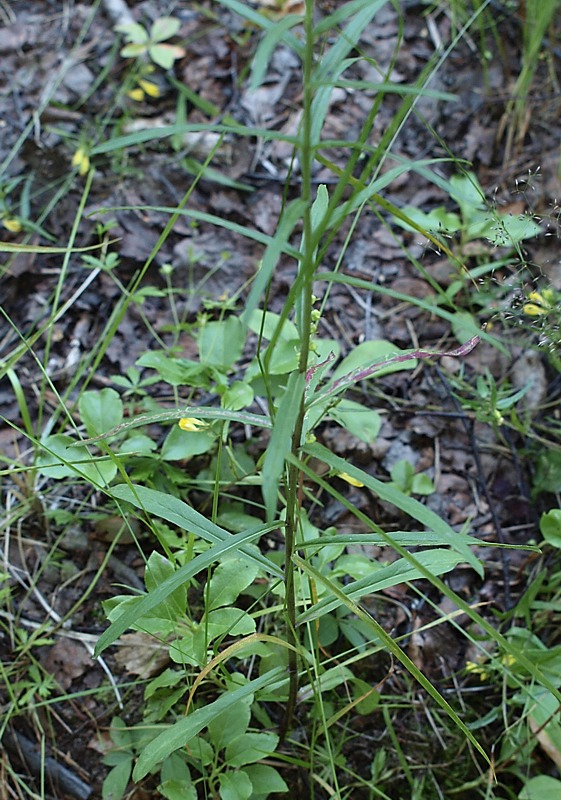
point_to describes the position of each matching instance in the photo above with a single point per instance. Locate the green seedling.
(404, 478)
(153, 43)
(487, 400)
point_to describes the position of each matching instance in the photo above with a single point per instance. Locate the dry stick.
(469, 427)
(61, 779)
(118, 11)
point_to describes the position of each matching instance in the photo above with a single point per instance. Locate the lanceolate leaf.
(179, 513)
(413, 508)
(176, 414)
(281, 439)
(361, 373)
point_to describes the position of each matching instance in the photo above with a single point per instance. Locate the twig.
(118, 11)
(62, 780)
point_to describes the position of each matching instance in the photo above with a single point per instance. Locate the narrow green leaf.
(281, 440)
(269, 42)
(278, 245)
(179, 513)
(393, 648)
(436, 562)
(413, 508)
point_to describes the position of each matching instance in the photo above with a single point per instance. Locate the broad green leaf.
(371, 697)
(100, 410)
(266, 322)
(116, 781)
(542, 787)
(229, 579)
(177, 790)
(468, 194)
(180, 445)
(550, 527)
(230, 621)
(265, 780)
(175, 371)
(544, 716)
(158, 570)
(133, 50)
(509, 229)
(58, 459)
(235, 786)
(436, 221)
(231, 724)
(164, 55)
(221, 343)
(362, 422)
(133, 32)
(237, 396)
(250, 747)
(176, 779)
(164, 28)
(183, 731)
(284, 358)
(192, 647)
(421, 484)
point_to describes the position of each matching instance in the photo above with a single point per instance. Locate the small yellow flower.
(81, 160)
(477, 669)
(192, 424)
(539, 303)
(12, 224)
(353, 481)
(508, 660)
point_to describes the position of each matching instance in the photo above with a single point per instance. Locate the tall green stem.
(304, 320)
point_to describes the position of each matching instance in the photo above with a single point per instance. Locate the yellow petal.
(353, 481)
(12, 224)
(191, 424)
(81, 160)
(536, 297)
(533, 310)
(136, 94)
(151, 89)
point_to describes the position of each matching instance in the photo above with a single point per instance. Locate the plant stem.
(304, 322)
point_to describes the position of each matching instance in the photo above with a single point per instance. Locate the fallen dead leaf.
(140, 654)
